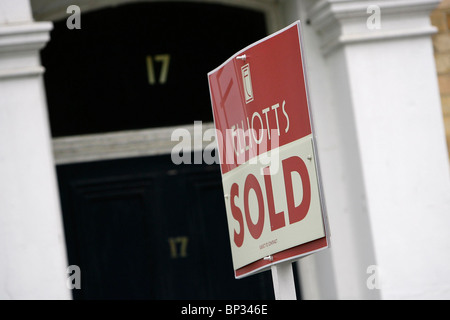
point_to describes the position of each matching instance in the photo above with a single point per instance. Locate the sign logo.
(247, 81)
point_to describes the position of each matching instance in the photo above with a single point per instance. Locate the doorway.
(145, 228)
(140, 227)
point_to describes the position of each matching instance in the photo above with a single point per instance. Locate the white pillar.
(381, 140)
(32, 245)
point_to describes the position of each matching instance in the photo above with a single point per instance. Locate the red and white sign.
(267, 154)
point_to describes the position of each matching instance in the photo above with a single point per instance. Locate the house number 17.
(160, 59)
(178, 247)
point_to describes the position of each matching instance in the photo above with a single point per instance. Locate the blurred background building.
(91, 91)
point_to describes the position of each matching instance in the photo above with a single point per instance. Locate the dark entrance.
(141, 65)
(145, 228)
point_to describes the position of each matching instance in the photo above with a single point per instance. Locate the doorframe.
(126, 144)
(145, 142)
(50, 10)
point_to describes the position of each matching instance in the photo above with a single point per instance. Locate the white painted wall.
(381, 141)
(404, 163)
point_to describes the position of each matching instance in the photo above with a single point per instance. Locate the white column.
(382, 148)
(32, 245)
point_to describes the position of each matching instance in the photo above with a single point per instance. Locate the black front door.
(145, 228)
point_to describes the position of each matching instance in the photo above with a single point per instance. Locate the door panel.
(144, 228)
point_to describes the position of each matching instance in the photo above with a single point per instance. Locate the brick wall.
(440, 18)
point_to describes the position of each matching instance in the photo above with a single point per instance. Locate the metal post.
(283, 281)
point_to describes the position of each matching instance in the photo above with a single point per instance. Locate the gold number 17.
(164, 59)
(178, 247)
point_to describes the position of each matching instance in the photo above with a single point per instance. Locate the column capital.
(341, 22)
(19, 47)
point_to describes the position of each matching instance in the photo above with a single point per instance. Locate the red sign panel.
(267, 154)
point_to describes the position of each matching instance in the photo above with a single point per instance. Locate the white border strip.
(122, 144)
(290, 259)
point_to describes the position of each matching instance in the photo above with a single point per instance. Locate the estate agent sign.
(267, 154)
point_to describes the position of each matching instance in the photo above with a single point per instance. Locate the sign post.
(283, 281)
(268, 158)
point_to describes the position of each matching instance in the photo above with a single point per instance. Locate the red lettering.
(290, 165)
(237, 214)
(276, 219)
(297, 213)
(255, 229)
